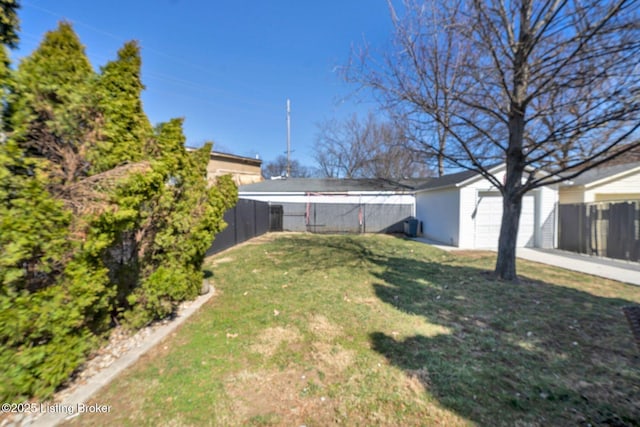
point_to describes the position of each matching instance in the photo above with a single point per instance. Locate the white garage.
(465, 210)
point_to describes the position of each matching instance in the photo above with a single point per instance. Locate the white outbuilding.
(465, 210)
(335, 205)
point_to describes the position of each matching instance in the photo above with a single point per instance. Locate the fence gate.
(276, 213)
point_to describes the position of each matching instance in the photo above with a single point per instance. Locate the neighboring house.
(336, 205)
(244, 170)
(465, 210)
(610, 183)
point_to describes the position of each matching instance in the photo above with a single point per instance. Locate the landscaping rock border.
(122, 351)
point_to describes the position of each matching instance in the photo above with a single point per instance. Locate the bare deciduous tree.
(550, 87)
(356, 148)
(278, 167)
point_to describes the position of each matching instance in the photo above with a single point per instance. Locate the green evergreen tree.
(9, 23)
(186, 215)
(54, 294)
(9, 26)
(52, 113)
(126, 128)
(53, 297)
(81, 243)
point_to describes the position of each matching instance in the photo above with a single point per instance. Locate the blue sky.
(228, 67)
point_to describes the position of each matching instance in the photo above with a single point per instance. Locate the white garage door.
(489, 216)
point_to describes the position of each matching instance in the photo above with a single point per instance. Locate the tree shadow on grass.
(534, 353)
(324, 252)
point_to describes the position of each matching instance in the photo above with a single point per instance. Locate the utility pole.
(288, 138)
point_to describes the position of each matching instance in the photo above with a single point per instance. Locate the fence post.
(255, 218)
(235, 229)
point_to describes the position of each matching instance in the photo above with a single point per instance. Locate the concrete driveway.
(622, 271)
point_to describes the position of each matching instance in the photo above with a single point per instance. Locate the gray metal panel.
(293, 216)
(345, 218)
(386, 218)
(334, 218)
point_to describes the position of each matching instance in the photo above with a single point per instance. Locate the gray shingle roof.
(447, 180)
(335, 185)
(597, 174)
(328, 185)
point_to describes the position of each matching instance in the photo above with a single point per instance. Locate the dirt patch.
(296, 394)
(324, 328)
(270, 340)
(282, 398)
(332, 359)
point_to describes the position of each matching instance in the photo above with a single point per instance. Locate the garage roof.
(595, 176)
(448, 180)
(457, 179)
(329, 185)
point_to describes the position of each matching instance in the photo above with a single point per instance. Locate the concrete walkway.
(622, 271)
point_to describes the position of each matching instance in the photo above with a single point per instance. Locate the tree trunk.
(511, 199)
(506, 262)
(511, 192)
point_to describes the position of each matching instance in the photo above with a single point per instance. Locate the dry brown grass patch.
(324, 328)
(279, 395)
(271, 338)
(332, 358)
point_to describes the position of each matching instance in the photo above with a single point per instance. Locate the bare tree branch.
(547, 86)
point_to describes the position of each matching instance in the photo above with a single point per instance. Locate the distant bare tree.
(278, 167)
(356, 148)
(549, 87)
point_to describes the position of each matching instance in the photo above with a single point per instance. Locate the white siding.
(546, 219)
(622, 187)
(468, 204)
(439, 212)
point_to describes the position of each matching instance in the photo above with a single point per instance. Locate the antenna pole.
(288, 138)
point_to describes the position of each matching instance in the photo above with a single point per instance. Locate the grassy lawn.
(377, 330)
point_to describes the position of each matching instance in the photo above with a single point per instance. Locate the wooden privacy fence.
(603, 229)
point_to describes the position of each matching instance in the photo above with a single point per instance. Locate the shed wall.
(438, 212)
